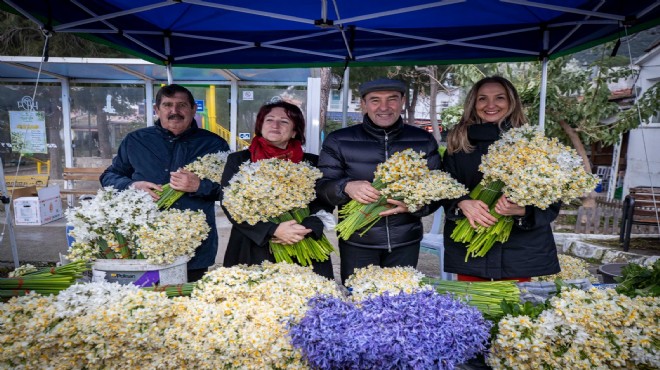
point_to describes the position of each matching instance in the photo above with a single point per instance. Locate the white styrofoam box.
(39, 210)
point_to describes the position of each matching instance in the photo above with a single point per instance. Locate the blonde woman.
(491, 107)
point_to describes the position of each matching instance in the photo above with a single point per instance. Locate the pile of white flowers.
(535, 170)
(594, 329)
(374, 280)
(236, 318)
(572, 268)
(268, 188)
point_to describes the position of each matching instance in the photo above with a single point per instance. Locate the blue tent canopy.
(294, 33)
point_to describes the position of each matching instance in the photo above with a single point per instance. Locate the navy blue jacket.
(151, 153)
(353, 153)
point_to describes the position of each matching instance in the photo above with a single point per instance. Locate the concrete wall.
(643, 157)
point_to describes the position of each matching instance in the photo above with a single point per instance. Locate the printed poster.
(28, 131)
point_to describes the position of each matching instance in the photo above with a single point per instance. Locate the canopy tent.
(294, 33)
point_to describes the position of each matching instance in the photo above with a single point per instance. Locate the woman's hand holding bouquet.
(278, 191)
(523, 168)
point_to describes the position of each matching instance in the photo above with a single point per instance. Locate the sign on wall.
(28, 131)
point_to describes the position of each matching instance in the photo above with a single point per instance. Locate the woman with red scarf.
(279, 133)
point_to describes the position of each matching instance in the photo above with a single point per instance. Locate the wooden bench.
(640, 207)
(73, 176)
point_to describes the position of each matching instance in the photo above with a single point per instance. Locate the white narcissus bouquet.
(128, 225)
(103, 227)
(277, 190)
(404, 176)
(531, 170)
(209, 166)
(173, 234)
(594, 329)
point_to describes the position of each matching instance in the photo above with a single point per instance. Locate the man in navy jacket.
(153, 156)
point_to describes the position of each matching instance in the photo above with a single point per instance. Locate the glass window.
(39, 134)
(101, 116)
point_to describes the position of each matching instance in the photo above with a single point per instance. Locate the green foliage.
(451, 116)
(637, 280)
(20, 36)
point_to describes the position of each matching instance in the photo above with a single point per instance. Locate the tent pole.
(313, 115)
(66, 117)
(169, 74)
(233, 114)
(149, 102)
(9, 220)
(344, 108)
(544, 86)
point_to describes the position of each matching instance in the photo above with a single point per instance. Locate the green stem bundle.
(486, 296)
(178, 290)
(306, 250)
(482, 239)
(49, 280)
(168, 196)
(355, 215)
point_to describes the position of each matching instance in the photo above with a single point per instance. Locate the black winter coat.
(530, 250)
(151, 153)
(248, 244)
(353, 153)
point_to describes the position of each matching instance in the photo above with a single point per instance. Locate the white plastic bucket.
(139, 272)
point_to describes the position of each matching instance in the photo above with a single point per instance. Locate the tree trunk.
(326, 86)
(433, 101)
(590, 198)
(56, 151)
(104, 133)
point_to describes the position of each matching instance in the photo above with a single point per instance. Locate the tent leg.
(9, 222)
(544, 87)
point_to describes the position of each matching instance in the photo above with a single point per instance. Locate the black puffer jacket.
(353, 153)
(530, 250)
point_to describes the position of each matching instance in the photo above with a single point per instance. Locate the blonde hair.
(457, 138)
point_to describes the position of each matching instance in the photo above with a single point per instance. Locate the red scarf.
(260, 148)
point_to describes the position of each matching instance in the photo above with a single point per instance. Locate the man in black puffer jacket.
(348, 161)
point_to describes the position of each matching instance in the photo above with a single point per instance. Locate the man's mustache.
(175, 116)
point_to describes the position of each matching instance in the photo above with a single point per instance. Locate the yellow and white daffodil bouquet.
(404, 176)
(209, 166)
(277, 190)
(531, 170)
(128, 225)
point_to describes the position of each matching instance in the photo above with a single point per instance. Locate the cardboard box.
(40, 209)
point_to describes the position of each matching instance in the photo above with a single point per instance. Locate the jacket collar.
(380, 132)
(167, 133)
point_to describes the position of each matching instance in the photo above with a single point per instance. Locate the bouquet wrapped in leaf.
(277, 190)
(128, 225)
(531, 170)
(404, 176)
(209, 166)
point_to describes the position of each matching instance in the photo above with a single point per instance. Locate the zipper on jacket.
(387, 219)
